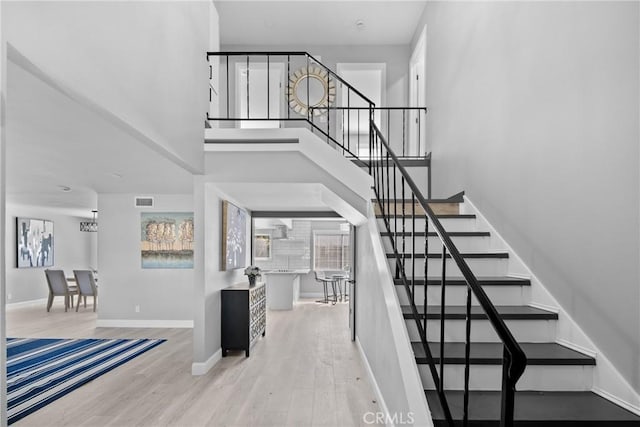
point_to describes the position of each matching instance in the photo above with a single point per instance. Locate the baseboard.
(311, 295)
(30, 303)
(578, 348)
(138, 323)
(374, 383)
(204, 367)
(626, 405)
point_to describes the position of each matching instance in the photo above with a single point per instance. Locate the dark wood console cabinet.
(244, 316)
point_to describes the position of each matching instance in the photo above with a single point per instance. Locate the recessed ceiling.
(54, 142)
(308, 22)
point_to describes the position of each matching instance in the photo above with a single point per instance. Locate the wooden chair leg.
(78, 304)
(94, 302)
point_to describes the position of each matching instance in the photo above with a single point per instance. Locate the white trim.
(22, 304)
(311, 295)
(143, 323)
(374, 383)
(544, 307)
(607, 380)
(578, 348)
(204, 367)
(626, 405)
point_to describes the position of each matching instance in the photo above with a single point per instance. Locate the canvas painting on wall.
(234, 237)
(35, 242)
(166, 239)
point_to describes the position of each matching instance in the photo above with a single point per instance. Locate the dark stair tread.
(535, 408)
(476, 255)
(441, 216)
(507, 312)
(482, 281)
(491, 353)
(433, 234)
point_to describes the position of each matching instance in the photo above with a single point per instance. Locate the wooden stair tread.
(433, 234)
(483, 353)
(441, 216)
(507, 312)
(438, 255)
(535, 408)
(460, 281)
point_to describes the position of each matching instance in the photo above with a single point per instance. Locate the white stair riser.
(457, 295)
(449, 224)
(479, 266)
(463, 243)
(535, 377)
(482, 331)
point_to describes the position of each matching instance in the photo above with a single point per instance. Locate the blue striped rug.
(40, 371)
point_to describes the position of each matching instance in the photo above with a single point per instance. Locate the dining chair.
(58, 286)
(86, 287)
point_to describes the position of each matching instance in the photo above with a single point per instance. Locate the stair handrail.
(514, 359)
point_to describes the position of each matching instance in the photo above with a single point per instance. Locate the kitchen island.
(283, 288)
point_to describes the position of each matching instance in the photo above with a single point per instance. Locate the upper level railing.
(291, 89)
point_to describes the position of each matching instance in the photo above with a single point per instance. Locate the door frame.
(417, 94)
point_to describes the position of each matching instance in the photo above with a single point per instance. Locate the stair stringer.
(607, 380)
(382, 335)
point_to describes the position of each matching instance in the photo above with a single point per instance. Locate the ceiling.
(271, 196)
(54, 142)
(309, 22)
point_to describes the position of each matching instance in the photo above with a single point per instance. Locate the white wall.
(143, 62)
(165, 296)
(381, 331)
(73, 250)
(3, 328)
(209, 279)
(534, 113)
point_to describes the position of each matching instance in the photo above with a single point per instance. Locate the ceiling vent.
(144, 202)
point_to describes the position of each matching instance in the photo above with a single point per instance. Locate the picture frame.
(34, 242)
(166, 240)
(234, 237)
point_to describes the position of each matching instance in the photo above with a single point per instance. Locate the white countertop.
(300, 271)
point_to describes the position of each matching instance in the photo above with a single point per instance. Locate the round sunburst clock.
(311, 87)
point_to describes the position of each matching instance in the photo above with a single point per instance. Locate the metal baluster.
(248, 86)
(426, 270)
(467, 351)
(359, 131)
(268, 84)
(227, 61)
(443, 283)
(349, 130)
(395, 218)
(388, 124)
(404, 251)
(413, 242)
(388, 201)
(288, 86)
(404, 143)
(419, 141)
(308, 110)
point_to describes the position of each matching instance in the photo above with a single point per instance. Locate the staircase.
(555, 387)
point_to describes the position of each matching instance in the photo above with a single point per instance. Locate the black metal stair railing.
(385, 172)
(278, 89)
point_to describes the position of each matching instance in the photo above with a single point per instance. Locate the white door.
(257, 99)
(417, 119)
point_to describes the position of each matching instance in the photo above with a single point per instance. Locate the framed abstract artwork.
(234, 237)
(166, 239)
(34, 242)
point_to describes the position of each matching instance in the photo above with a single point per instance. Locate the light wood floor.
(305, 372)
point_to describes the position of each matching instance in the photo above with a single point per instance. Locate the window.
(331, 250)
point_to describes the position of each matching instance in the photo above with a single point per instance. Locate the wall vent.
(144, 202)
